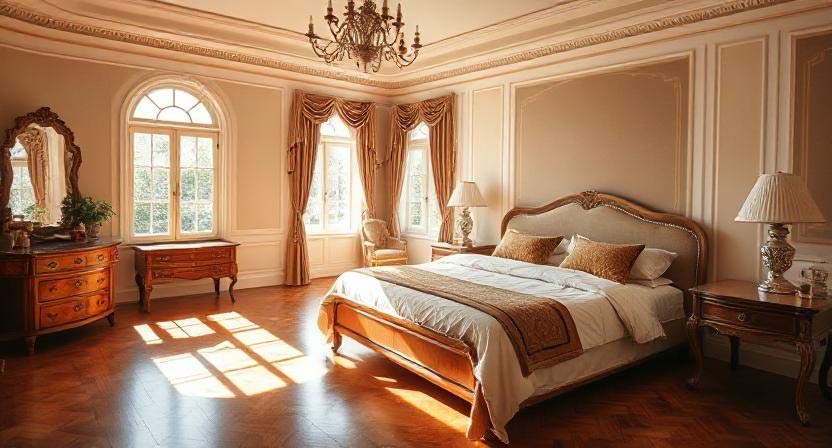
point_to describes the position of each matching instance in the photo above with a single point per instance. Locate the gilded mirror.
(39, 164)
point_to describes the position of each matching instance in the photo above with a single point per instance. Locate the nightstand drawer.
(763, 320)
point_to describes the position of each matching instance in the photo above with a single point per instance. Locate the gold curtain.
(34, 141)
(308, 112)
(440, 116)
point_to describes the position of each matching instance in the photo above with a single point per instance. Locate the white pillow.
(651, 264)
(661, 281)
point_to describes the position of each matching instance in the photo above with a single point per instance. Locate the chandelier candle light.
(365, 35)
(466, 194)
(779, 199)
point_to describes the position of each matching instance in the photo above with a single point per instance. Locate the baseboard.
(250, 279)
(781, 359)
(332, 270)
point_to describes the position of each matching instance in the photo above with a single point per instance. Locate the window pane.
(416, 187)
(188, 216)
(162, 97)
(174, 114)
(205, 152)
(142, 184)
(146, 109)
(141, 149)
(335, 127)
(420, 132)
(205, 185)
(205, 217)
(161, 184)
(141, 219)
(313, 217)
(200, 115)
(22, 192)
(188, 185)
(160, 218)
(184, 99)
(187, 151)
(161, 150)
(338, 187)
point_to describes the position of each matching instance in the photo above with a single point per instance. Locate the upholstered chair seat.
(378, 247)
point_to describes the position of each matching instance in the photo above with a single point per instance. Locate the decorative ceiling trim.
(18, 12)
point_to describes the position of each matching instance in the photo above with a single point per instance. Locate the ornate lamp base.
(464, 225)
(777, 256)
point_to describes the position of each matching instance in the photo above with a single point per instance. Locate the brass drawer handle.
(102, 302)
(53, 288)
(219, 254)
(78, 283)
(78, 260)
(78, 307)
(742, 317)
(100, 257)
(52, 315)
(164, 258)
(100, 280)
(52, 265)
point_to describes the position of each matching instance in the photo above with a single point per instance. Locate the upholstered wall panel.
(738, 149)
(487, 144)
(623, 132)
(812, 131)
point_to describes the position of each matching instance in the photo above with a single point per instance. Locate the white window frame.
(428, 202)
(175, 130)
(356, 192)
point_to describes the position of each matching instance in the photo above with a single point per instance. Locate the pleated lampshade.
(780, 198)
(466, 194)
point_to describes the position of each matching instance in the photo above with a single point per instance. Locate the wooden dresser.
(190, 261)
(56, 286)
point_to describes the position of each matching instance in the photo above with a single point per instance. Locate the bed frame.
(448, 362)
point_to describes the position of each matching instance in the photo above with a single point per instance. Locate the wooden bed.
(448, 362)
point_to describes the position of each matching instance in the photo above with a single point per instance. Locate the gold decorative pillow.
(605, 260)
(528, 248)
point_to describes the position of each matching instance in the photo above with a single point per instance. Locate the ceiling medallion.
(366, 36)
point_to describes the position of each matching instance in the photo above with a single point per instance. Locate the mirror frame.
(43, 117)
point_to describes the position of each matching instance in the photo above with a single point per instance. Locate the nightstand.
(439, 249)
(738, 310)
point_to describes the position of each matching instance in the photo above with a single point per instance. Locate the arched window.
(419, 211)
(335, 198)
(173, 161)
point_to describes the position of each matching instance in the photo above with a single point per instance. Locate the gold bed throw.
(541, 329)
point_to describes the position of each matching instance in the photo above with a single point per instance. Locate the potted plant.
(77, 210)
(36, 213)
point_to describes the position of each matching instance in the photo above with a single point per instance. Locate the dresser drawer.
(49, 290)
(74, 309)
(194, 258)
(763, 320)
(194, 273)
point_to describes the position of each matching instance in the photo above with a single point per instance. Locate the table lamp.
(466, 194)
(777, 200)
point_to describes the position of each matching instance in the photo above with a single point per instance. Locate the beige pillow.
(528, 248)
(605, 260)
(652, 263)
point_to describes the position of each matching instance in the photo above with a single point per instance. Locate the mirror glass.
(40, 164)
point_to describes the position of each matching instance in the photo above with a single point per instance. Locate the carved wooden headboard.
(609, 218)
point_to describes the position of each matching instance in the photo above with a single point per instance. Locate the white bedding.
(603, 312)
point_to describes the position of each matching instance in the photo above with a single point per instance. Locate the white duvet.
(603, 311)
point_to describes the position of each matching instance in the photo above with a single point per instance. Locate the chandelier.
(366, 36)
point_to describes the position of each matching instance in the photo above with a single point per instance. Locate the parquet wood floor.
(202, 373)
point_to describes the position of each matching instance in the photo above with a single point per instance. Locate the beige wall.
(622, 132)
(89, 96)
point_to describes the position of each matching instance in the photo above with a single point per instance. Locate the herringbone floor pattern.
(200, 373)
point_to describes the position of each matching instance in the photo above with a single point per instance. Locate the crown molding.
(272, 58)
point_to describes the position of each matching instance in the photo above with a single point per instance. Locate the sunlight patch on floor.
(232, 321)
(147, 334)
(185, 328)
(432, 407)
(190, 377)
(241, 369)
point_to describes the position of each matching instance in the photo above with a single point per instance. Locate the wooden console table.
(738, 310)
(190, 261)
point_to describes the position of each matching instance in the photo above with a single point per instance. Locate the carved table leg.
(823, 375)
(30, 344)
(695, 348)
(735, 352)
(111, 319)
(336, 340)
(231, 288)
(217, 288)
(145, 288)
(807, 363)
(140, 285)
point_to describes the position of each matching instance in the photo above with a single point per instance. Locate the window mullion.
(174, 188)
(325, 186)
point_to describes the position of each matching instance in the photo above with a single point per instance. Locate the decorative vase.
(92, 229)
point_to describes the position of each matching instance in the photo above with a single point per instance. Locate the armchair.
(378, 247)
